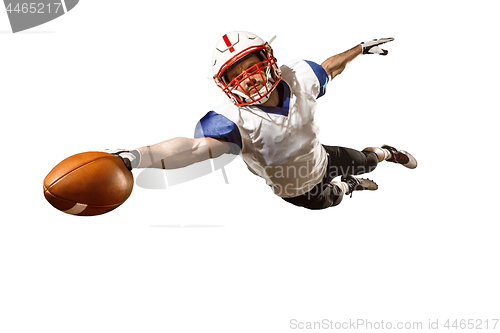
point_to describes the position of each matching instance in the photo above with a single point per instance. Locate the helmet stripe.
(228, 43)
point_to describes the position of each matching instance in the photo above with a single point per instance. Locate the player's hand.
(372, 47)
(128, 157)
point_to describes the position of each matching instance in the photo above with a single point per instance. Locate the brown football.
(89, 183)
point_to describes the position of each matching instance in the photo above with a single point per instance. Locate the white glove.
(371, 47)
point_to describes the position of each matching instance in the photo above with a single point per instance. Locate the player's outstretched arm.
(336, 64)
(174, 153)
(180, 152)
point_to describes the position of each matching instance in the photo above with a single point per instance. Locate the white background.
(205, 256)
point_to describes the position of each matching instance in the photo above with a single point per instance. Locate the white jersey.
(279, 144)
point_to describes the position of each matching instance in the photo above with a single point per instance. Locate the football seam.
(74, 202)
(81, 166)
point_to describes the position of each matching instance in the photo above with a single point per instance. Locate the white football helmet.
(235, 46)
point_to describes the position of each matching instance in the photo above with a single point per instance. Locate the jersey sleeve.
(321, 75)
(217, 126)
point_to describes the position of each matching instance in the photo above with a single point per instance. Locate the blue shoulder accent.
(321, 75)
(215, 125)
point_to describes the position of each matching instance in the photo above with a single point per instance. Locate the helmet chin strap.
(262, 92)
(260, 100)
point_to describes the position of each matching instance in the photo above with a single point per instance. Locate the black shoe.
(358, 184)
(401, 157)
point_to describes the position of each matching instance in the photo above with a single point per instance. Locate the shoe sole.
(367, 184)
(402, 157)
(410, 161)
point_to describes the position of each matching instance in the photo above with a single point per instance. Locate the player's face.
(249, 78)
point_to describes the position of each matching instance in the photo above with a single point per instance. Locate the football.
(89, 183)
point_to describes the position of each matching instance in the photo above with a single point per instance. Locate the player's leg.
(328, 194)
(346, 161)
(391, 154)
(323, 195)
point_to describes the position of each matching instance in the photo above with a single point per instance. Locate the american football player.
(269, 121)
